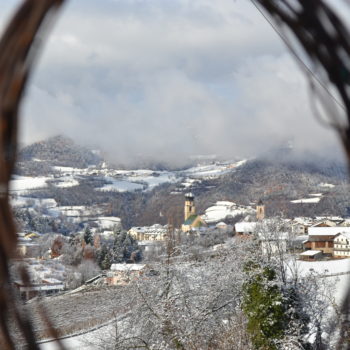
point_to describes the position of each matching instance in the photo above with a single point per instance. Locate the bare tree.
(18, 49)
(318, 30)
(186, 305)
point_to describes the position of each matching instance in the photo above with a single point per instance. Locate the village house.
(245, 228)
(155, 232)
(300, 225)
(342, 245)
(325, 223)
(322, 238)
(48, 286)
(328, 221)
(310, 255)
(122, 274)
(26, 247)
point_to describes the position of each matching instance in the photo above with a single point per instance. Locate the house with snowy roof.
(46, 286)
(245, 228)
(322, 238)
(310, 255)
(122, 274)
(26, 247)
(300, 225)
(155, 232)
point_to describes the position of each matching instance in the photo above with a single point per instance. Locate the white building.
(155, 232)
(245, 228)
(342, 245)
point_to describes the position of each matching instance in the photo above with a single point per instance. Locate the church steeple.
(190, 209)
(260, 210)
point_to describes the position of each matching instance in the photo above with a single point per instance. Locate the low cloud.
(166, 79)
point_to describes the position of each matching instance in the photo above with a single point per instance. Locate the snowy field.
(65, 170)
(72, 211)
(119, 186)
(212, 170)
(155, 179)
(66, 181)
(324, 267)
(326, 185)
(306, 200)
(122, 180)
(22, 184)
(19, 201)
(340, 268)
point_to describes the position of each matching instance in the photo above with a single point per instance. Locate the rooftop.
(310, 253)
(328, 231)
(190, 220)
(127, 267)
(245, 226)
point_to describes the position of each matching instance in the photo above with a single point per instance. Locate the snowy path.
(81, 341)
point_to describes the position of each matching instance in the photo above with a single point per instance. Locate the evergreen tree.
(88, 238)
(123, 249)
(263, 306)
(104, 258)
(124, 246)
(274, 310)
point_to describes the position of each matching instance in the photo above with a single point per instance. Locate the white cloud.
(169, 78)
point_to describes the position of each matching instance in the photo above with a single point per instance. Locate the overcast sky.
(165, 79)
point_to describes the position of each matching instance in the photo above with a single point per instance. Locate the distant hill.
(57, 151)
(278, 181)
(278, 178)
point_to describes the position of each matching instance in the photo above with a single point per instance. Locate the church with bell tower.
(192, 220)
(190, 208)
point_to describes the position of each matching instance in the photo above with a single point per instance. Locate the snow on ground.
(324, 267)
(85, 341)
(326, 185)
(74, 343)
(108, 222)
(341, 284)
(153, 180)
(329, 268)
(142, 179)
(21, 184)
(69, 170)
(70, 211)
(19, 201)
(120, 186)
(66, 181)
(212, 170)
(307, 200)
(188, 182)
(222, 209)
(207, 171)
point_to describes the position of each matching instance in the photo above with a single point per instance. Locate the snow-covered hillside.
(121, 180)
(224, 209)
